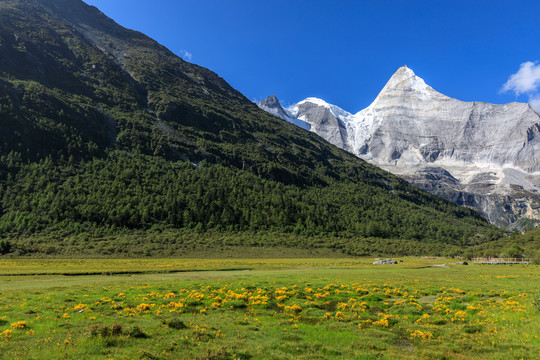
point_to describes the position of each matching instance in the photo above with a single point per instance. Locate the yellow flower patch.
(19, 325)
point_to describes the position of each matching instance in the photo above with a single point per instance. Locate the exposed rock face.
(271, 104)
(385, 262)
(475, 154)
(325, 120)
(411, 123)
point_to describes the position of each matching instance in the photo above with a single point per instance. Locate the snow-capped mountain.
(473, 153)
(271, 104)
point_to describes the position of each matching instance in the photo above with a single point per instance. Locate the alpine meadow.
(148, 210)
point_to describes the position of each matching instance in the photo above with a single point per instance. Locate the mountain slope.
(104, 131)
(475, 154)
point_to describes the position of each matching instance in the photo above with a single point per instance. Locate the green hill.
(107, 136)
(517, 245)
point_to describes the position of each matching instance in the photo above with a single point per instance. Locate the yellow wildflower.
(19, 325)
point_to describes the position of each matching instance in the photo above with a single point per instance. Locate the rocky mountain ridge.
(476, 154)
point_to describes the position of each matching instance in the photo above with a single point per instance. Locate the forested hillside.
(518, 245)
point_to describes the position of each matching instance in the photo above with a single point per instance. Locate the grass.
(279, 309)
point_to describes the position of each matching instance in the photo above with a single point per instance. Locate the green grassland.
(342, 308)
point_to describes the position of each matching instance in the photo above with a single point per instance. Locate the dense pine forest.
(126, 192)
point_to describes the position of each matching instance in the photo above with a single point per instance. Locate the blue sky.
(344, 51)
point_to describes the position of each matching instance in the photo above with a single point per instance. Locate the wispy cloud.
(526, 81)
(186, 55)
(535, 103)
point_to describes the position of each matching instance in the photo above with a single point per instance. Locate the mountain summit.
(405, 79)
(473, 153)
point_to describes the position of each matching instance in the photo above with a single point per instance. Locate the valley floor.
(267, 309)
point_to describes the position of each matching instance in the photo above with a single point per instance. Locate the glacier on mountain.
(473, 153)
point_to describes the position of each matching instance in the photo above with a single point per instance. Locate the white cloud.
(535, 103)
(186, 55)
(526, 81)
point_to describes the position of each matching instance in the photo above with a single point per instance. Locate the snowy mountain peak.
(272, 105)
(335, 110)
(271, 101)
(404, 79)
(316, 101)
(404, 71)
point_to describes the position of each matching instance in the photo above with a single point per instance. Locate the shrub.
(175, 324)
(106, 331)
(5, 247)
(136, 332)
(536, 258)
(116, 329)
